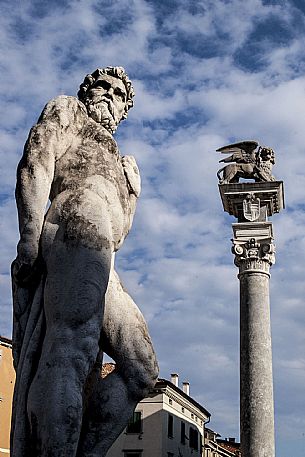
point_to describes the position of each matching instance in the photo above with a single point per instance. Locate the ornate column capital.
(254, 256)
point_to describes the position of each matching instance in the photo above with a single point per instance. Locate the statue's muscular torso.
(88, 167)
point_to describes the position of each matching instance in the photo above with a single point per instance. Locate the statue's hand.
(132, 174)
(27, 275)
(27, 267)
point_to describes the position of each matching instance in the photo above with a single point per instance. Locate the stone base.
(270, 194)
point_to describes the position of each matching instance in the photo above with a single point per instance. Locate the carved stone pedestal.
(254, 254)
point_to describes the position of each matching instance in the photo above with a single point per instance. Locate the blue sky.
(206, 73)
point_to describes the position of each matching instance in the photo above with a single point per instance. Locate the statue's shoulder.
(63, 110)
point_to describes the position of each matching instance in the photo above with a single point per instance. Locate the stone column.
(252, 203)
(254, 259)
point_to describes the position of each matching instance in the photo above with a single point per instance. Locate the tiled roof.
(107, 368)
(232, 447)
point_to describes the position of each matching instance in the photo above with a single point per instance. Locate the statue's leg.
(78, 265)
(112, 400)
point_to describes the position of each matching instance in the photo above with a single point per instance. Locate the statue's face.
(109, 93)
(267, 154)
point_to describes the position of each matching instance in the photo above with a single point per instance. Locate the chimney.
(186, 387)
(175, 379)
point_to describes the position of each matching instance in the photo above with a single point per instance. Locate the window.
(170, 426)
(194, 438)
(182, 430)
(133, 454)
(135, 424)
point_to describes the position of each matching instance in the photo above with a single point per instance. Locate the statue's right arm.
(35, 175)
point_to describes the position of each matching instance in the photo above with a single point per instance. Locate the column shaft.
(256, 383)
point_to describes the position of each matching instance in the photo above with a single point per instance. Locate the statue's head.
(267, 155)
(108, 95)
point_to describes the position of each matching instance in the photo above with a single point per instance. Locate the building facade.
(7, 381)
(168, 423)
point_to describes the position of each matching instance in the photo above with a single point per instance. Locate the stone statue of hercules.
(69, 304)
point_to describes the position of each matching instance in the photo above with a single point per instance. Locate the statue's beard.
(101, 110)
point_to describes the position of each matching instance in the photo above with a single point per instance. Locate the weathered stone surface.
(69, 304)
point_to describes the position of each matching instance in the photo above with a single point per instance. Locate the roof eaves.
(164, 382)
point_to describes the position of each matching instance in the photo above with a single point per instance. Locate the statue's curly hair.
(117, 72)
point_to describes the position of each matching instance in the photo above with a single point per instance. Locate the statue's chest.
(92, 157)
(93, 152)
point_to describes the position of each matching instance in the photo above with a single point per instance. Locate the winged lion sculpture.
(247, 160)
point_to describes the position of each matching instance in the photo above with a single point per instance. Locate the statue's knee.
(150, 375)
(142, 378)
